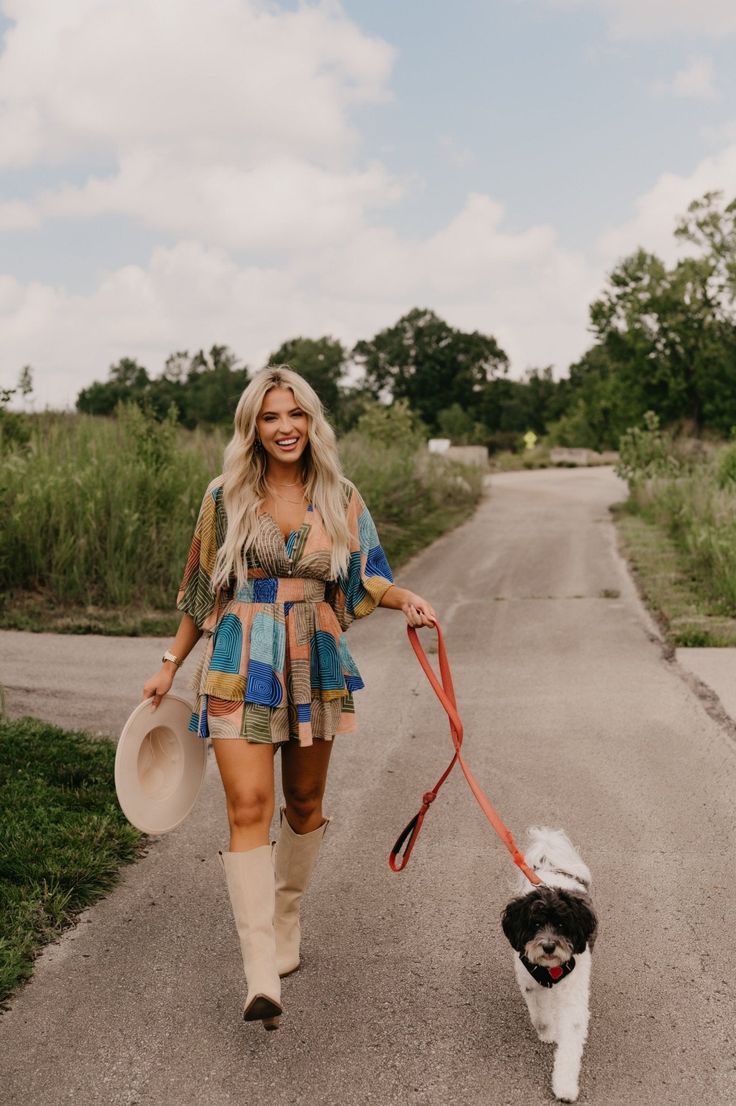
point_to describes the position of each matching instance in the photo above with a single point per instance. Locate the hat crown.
(160, 763)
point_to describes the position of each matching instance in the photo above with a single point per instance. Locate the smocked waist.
(281, 589)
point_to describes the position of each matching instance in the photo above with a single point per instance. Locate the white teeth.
(286, 441)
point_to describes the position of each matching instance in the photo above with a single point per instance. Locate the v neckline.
(286, 539)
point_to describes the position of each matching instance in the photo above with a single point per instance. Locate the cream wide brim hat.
(159, 765)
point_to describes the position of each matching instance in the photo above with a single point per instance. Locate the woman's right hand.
(158, 685)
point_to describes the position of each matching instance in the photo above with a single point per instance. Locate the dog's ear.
(583, 921)
(515, 922)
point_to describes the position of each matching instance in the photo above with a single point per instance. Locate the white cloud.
(696, 81)
(283, 204)
(657, 18)
(472, 272)
(658, 209)
(17, 215)
(228, 127)
(228, 120)
(213, 81)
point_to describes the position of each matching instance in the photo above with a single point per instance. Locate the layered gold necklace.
(286, 499)
(276, 497)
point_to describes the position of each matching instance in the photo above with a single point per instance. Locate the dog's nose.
(549, 948)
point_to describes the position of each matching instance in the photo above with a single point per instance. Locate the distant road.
(573, 717)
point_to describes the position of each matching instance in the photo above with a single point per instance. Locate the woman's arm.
(417, 610)
(186, 638)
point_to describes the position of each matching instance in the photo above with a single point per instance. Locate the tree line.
(664, 339)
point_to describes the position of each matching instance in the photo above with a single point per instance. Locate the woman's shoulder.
(214, 488)
(352, 499)
(349, 491)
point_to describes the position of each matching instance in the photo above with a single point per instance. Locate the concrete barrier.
(468, 455)
(562, 455)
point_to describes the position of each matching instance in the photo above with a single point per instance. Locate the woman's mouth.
(286, 443)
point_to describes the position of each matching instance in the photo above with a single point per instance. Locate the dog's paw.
(545, 1033)
(564, 1090)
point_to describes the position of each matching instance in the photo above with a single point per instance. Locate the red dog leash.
(445, 692)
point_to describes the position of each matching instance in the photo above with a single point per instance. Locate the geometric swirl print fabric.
(276, 665)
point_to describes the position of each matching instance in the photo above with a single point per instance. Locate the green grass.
(675, 589)
(100, 514)
(63, 837)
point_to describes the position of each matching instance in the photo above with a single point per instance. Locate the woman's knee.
(249, 808)
(304, 800)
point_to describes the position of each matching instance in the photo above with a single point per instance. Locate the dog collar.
(547, 977)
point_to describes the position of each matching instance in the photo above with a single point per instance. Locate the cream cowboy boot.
(295, 855)
(250, 883)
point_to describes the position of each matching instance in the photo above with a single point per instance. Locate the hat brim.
(159, 765)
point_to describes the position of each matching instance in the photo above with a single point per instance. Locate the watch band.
(169, 656)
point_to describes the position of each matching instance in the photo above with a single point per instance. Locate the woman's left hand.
(418, 611)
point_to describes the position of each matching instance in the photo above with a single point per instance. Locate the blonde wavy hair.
(244, 476)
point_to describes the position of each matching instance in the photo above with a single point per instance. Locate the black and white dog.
(552, 928)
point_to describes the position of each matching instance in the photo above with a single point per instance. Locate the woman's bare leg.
(304, 778)
(246, 770)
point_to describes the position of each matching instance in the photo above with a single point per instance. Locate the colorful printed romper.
(276, 664)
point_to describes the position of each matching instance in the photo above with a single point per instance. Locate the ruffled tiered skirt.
(276, 667)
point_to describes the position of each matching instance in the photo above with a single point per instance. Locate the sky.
(179, 173)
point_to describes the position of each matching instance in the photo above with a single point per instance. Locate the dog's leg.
(546, 1020)
(572, 1031)
(537, 999)
(568, 1057)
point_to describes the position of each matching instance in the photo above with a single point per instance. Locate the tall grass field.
(98, 514)
(682, 494)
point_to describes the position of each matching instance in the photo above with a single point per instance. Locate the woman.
(284, 556)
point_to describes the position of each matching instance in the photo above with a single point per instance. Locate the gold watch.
(168, 656)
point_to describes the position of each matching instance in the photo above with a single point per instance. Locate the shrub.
(646, 452)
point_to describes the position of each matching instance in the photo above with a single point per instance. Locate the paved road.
(573, 717)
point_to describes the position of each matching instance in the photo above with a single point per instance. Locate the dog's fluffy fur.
(549, 924)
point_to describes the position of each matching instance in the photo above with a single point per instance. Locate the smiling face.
(282, 426)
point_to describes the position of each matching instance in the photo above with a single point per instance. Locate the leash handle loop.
(445, 692)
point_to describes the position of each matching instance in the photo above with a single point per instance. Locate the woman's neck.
(282, 473)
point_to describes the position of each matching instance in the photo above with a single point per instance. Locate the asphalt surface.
(574, 717)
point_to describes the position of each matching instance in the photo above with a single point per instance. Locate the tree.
(426, 361)
(15, 426)
(212, 387)
(204, 388)
(127, 380)
(457, 425)
(670, 337)
(321, 361)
